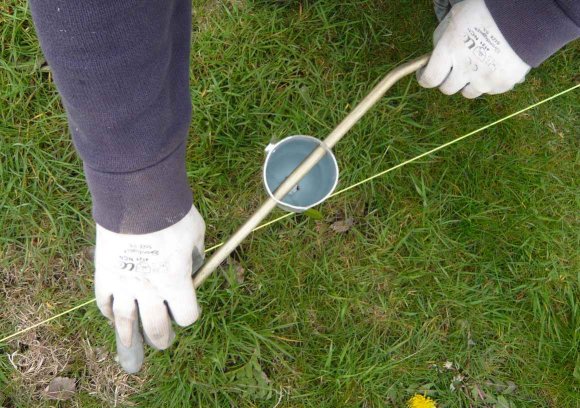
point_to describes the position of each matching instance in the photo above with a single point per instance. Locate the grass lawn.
(459, 277)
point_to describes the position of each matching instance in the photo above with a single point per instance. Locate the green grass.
(469, 256)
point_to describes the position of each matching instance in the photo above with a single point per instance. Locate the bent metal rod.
(294, 178)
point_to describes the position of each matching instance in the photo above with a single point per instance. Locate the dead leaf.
(240, 273)
(61, 388)
(511, 387)
(342, 225)
(87, 253)
(234, 270)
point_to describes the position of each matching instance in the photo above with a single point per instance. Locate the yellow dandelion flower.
(420, 401)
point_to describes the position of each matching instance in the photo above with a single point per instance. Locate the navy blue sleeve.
(122, 70)
(536, 29)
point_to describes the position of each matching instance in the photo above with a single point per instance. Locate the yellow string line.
(72, 309)
(382, 173)
(332, 195)
(259, 227)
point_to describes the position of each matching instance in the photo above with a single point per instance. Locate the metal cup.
(315, 187)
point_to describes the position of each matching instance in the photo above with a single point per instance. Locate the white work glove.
(148, 278)
(471, 55)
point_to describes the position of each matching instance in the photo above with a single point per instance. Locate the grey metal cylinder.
(315, 187)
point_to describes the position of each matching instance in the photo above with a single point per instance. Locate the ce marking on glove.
(480, 52)
(127, 266)
(138, 266)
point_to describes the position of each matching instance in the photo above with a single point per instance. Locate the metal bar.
(294, 178)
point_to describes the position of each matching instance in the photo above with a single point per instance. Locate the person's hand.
(148, 278)
(471, 55)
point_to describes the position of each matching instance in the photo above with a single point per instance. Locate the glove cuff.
(141, 201)
(535, 29)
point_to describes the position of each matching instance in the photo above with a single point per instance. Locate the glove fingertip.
(105, 303)
(161, 342)
(125, 334)
(126, 321)
(106, 310)
(470, 92)
(436, 71)
(419, 73)
(131, 357)
(184, 308)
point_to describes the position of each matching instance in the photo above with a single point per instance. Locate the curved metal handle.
(343, 127)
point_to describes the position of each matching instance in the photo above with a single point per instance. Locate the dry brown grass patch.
(42, 354)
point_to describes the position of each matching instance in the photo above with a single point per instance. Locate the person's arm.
(536, 29)
(121, 68)
(488, 46)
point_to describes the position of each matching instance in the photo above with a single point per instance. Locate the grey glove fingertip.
(131, 358)
(197, 258)
(419, 73)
